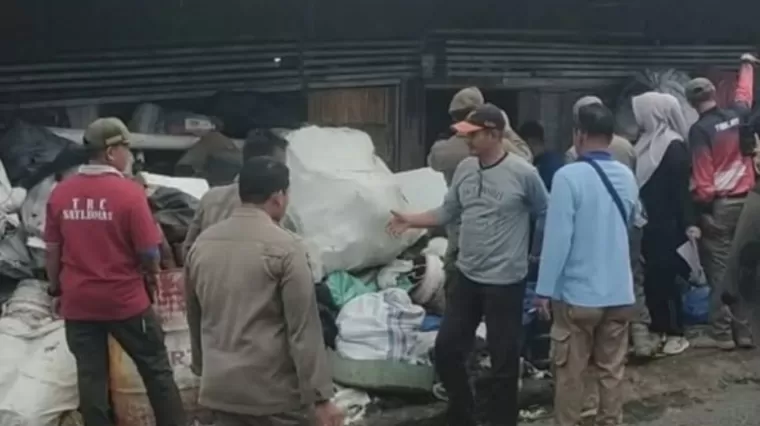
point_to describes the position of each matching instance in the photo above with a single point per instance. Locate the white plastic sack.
(38, 380)
(382, 326)
(33, 217)
(353, 403)
(423, 188)
(191, 186)
(15, 260)
(34, 207)
(341, 195)
(10, 198)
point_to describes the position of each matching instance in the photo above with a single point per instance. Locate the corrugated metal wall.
(192, 72)
(519, 64)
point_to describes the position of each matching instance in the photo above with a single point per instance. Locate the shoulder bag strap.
(610, 188)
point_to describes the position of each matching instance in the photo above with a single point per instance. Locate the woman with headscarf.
(663, 171)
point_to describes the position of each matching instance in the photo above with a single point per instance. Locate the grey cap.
(698, 89)
(585, 101)
(466, 99)
(105, 132)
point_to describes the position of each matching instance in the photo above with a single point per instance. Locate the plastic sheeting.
(668, 81)
(174, 210)
(32, 153)
(14, 256)
(341, 195)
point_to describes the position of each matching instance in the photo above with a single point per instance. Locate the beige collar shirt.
(254, 323)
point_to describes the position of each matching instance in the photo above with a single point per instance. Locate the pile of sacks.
(341, 197)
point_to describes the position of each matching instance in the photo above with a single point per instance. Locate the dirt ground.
(688, 386)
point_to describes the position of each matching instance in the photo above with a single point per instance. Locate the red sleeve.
(52, 231)
(142, 226)
(744, 86)
(703, 170)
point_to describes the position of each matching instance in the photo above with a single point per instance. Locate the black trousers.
(502, 306)
(143, 340)
(664, 296)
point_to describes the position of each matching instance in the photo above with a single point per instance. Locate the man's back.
(102, 222)
(215, 206)
(585, 258)
(243, 271)
(620, 148)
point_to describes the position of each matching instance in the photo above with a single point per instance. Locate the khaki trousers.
(743, 263)
(717, 239)
(583, 338)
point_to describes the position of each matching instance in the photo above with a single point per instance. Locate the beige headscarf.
(661, 121)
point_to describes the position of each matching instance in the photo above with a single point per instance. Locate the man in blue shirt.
(546, 161)
(585, 270)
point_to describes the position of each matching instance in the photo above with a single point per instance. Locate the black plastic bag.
(32, 153)
(174, 210)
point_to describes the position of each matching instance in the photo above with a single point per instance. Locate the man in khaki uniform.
(252, 313)
(446, 154)
(219, 202)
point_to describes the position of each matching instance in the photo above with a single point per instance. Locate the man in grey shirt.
(494, 193)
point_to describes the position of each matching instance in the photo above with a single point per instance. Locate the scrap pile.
(381, 298)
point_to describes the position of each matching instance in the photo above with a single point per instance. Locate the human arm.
(537, 199)
(558, 236)
(194, 229)
(145, 237)
(744, 94)
(303, 326)
(193, 314)
(703, 170)
(449, 211)
(680, 161)
(53, 240)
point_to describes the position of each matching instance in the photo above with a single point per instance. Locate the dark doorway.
(438, 121)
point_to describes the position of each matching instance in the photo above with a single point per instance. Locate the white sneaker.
(675, 345)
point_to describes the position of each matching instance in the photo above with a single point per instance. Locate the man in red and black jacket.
(722, 177)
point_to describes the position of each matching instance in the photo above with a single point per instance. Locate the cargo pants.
(718, 231)
(142, 339)
(741, 278)
(640, 312)
(583, 339)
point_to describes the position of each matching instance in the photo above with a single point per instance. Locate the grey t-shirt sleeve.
(451, 209)
(537, 198)
(535, 193)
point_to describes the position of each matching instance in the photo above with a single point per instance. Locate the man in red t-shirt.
(103, 263)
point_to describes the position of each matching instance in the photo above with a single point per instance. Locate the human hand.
(151, 286)
(543, 306)
(749, 58)
(328, 414)
(693, 233)
(398, 224)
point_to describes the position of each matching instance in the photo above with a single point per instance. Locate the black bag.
(32, 153)
(174, 210)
